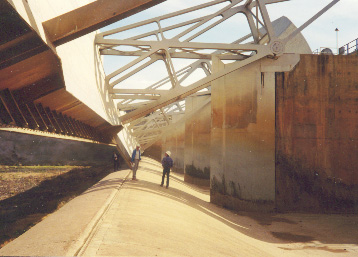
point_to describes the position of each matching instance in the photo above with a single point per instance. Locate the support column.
(243, 139)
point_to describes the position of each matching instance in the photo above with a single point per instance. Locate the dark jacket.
(167, 162)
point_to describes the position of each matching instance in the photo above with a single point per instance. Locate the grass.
(17, 179)
(29, 193)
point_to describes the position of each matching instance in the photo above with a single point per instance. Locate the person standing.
(115, 158)
(167, 163)
(135, 161)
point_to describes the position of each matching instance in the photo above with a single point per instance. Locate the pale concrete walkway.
(140, 218)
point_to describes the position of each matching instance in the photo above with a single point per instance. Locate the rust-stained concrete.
(197, 142)
(189, 143)
(317, 135)
(155, 151)
(243, 139)
(173, 142)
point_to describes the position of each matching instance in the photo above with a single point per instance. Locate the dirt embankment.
(28, 194)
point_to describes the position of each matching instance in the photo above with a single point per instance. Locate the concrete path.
(119, 217)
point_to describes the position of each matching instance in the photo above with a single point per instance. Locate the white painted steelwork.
(264, 43)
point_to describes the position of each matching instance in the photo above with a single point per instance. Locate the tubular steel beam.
(81, 129)
(166, 48)
(29, 117)
(265, 44)
(147, 120)
(59, 122)
(53, 120)
(77, 129)
(25, 110)
(91, 17)
(182, 92)
(182, 55)
(5, 115)
(39, 120)
(45, 118)
(13, 108)
(67, 124)
(72, 125)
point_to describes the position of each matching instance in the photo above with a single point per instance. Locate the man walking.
(167, 163)
(135, 159)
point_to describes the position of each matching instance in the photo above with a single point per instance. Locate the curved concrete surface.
(119, 217)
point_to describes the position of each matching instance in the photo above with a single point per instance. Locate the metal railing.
(347, 49)
(323, 50)
(350, 48)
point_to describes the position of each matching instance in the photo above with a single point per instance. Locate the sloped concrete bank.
(64, 232)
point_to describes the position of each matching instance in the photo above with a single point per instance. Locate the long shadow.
(209, 209)
(172, 177)
(24, 210)
(106, 184)
(246, 226)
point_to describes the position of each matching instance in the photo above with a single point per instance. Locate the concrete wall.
(235, 137)
(174, 142)
(197, 142)
(317, 135)
(243, 139)
(155, 151)
(189, 142)
(28, 149)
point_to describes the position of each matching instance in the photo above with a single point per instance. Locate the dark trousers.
(166, 171)
(115, 165)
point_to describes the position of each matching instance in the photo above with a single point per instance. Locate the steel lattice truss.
(151, 109)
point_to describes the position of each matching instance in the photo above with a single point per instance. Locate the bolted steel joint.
(277, 47)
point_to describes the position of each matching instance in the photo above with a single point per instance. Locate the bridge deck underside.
(32, 89)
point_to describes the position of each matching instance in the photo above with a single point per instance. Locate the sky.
(320, 34)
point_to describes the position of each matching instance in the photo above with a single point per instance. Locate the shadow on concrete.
(255, 225)
(267, 219)
(22, 211)
(104, 185)
(174, 177)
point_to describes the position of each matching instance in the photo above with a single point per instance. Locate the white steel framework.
(155, 45)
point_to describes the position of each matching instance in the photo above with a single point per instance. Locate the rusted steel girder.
(91, 17)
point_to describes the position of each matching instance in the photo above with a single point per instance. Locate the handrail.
(320, 50)
(349, 48)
